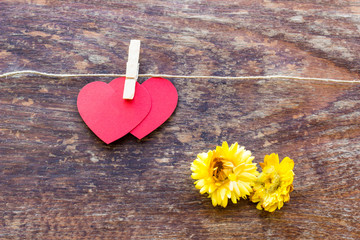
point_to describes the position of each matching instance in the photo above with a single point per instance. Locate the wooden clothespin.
(132, 69)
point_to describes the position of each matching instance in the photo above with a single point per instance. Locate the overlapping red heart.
(110, 117)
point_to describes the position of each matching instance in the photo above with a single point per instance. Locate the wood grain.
(59, 181)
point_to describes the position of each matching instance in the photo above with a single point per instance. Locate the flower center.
(270, 180)
(220, 170)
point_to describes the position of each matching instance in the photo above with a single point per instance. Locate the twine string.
(54, 75)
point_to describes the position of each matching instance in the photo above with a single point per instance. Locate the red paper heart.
(107, 114)
(164, 99)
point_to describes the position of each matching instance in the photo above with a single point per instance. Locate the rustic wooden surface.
(59, 181)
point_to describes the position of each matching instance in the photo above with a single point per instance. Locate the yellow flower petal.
(224, 202)
(204, 189)
(222, 193)
(243, 189)
(245, 176)
(233, 198)
(272, 160)
(214, 202)
(286, 165)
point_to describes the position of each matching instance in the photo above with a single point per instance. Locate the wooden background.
(59, 181)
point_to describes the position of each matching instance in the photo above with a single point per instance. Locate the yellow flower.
(273, 186)
(224, 173)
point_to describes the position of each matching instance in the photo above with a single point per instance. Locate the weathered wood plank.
(58, 181)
